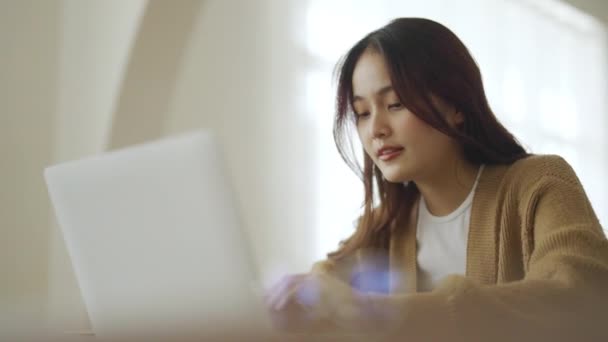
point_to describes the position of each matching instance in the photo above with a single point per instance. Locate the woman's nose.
(380, 126)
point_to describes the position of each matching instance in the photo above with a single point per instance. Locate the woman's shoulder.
(528, 175)
(541, 179)
(534, 167)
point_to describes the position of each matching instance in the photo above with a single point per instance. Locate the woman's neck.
(445, 189)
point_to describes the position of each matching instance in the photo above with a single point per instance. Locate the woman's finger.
(308, 293)
(288, 294)
(275, 292)
(280, 292)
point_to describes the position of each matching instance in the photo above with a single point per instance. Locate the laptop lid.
(155, 240)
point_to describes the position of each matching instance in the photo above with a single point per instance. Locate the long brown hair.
(424, 59)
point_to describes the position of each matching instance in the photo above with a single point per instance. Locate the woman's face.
(401, 145)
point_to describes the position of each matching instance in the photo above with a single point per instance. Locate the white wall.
(149, 81)
(95, 46)
(597, 8)
(240, 78)
(29, 40)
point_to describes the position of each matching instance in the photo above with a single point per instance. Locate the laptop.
(155, 240)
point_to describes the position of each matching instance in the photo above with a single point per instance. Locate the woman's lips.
(389, 154)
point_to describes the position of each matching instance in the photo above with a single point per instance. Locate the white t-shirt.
(442, 242)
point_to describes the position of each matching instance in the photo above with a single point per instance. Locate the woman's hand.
(284, 292)
(307, 300)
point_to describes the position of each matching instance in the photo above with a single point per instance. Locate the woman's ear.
(457, 118)
(454, 117)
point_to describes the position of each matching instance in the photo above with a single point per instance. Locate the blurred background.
(80, 77)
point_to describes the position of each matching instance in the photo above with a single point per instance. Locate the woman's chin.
(395, 177)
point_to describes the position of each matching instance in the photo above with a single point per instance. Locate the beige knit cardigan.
(536, 268)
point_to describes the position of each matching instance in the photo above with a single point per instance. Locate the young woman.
(464, 235)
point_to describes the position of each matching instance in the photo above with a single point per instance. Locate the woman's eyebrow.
(380, 92)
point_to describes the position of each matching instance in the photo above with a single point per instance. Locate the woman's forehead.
(371, 77)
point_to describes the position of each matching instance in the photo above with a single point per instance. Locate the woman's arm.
(563, 296)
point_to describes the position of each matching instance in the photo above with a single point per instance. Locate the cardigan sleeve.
(562, 297)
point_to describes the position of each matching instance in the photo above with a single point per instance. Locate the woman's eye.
(362, 115)
(397, 105)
